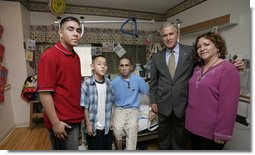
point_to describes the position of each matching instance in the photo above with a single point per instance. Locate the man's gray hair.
(168, 24)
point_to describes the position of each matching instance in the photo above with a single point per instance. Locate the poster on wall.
(1, 93)
(96, 51)
(84, 52)
(1, 30)
(29, 56)
(3, 81)
(119, 50)
(2, 48)
(30, 45)
(107, 47)
(3, 75)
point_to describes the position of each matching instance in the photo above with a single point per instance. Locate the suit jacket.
(171, 94)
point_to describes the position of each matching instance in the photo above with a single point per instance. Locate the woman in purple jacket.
(214, 90)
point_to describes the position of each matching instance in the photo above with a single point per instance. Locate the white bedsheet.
(144, 122)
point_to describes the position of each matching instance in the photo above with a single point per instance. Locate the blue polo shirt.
(127, 94)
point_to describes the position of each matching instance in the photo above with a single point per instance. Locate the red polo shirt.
(59, 72)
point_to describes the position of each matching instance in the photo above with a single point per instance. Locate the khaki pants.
(126, 124)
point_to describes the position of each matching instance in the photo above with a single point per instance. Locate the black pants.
(172, 134)
(100, 141)
(201, 143)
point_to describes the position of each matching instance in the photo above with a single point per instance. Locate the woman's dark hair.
(69, 18)
(217, 40)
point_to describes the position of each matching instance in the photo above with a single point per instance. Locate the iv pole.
(83, 22)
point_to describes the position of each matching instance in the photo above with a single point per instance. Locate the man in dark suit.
(169, 93)
(171, 70)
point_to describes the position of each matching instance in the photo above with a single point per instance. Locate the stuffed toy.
(29, 91)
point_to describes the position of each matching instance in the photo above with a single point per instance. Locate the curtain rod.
(83, 22)
(97, 22)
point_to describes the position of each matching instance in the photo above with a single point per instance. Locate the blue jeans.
(72, 141)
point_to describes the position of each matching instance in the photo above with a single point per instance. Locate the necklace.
(202, 74)
(128, 81)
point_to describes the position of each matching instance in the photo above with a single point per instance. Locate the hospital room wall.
(238, 40)
(238, 37)
(14, 111)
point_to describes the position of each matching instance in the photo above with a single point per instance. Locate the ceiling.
(150, 6)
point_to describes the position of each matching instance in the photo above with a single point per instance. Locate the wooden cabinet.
(36, 112)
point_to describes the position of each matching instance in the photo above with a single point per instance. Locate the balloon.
(57, 6)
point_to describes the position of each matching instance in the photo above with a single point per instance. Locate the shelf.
(36, 101)
(35, 114)
(219, 22)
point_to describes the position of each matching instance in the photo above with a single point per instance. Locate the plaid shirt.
(89, 100)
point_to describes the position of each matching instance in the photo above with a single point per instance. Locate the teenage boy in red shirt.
(59, 87)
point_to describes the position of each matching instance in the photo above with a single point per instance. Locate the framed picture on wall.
(2, 48)
(1, 30)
